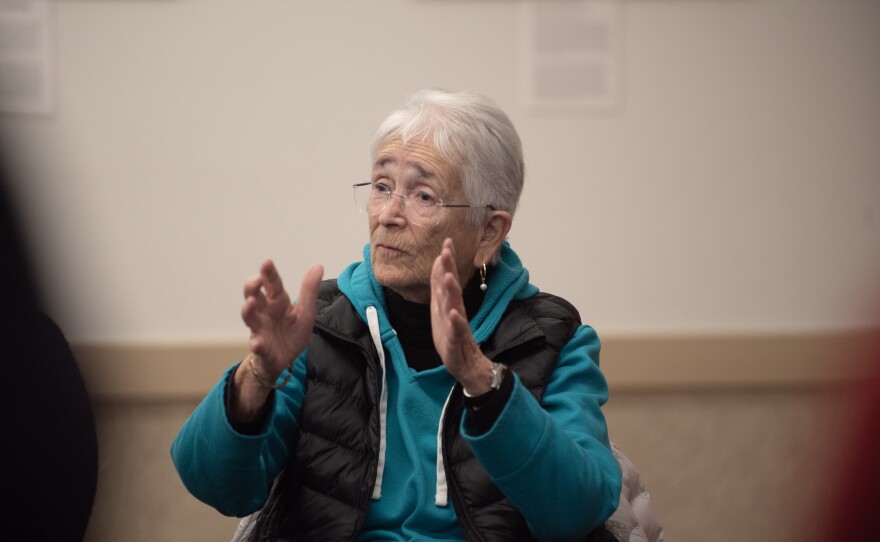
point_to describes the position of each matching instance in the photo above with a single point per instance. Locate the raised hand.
(280, 331)
(452, 337)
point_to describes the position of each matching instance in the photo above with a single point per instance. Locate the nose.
(393, 211)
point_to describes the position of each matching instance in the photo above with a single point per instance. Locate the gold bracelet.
(263, 383)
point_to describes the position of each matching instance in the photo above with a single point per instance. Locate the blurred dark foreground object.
(853, 506)
(49, 447)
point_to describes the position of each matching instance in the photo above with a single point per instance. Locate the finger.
(439, 297)
(443, 264)
(308, 292)
(452, 294)
(441, 302)
(250, 314)
(272, 284)
(252, 286)
(449, 264)
(458, 327)
(452, 286)
(437, 273)
(449, 247)
(436, 291)
(257, 345)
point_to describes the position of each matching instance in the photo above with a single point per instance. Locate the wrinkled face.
(402, 253)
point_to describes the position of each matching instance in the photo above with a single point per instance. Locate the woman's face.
(402, 253)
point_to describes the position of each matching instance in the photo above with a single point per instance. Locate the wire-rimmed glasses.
(420, 207)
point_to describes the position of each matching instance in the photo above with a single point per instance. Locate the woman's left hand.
(452, 337)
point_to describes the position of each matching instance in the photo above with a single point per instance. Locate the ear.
(493, 234)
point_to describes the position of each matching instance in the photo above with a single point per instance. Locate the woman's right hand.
(280, 332)
(280, 329)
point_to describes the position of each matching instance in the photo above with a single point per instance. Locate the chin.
(402, 282)
(392, 278)
(391, 272)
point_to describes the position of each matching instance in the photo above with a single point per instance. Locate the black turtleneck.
(412, 322)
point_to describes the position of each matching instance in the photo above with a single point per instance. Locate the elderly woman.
(430, 392)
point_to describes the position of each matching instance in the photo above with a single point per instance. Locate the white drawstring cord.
(441, 495)
(373, 323)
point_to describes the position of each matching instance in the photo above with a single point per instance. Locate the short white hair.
(473, 135)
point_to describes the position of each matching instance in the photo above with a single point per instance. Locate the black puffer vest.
(324, 493)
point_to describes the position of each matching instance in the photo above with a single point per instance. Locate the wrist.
(259, 378)
(479, 379)
(487, 380)
(246, 399)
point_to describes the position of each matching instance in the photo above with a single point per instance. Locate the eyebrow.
(382, 161)
(423, 173)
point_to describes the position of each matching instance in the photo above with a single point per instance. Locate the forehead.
(415, 157)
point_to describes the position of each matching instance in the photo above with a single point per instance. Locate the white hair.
(473, 135)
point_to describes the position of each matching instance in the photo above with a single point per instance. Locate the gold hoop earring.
(483, 285)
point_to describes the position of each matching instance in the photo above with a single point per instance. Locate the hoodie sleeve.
(553, 460)
(231, 471)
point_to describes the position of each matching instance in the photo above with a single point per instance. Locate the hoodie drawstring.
(441, 495)
(373, 323)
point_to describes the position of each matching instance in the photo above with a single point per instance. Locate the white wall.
(737, 189)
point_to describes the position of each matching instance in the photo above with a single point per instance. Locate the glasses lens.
(423, 214)
(417, 210)
(362, 195)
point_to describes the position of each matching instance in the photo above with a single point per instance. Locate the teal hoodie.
(552, 460)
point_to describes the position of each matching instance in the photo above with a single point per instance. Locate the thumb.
(308, 293)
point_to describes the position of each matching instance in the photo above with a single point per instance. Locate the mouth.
(389, 249)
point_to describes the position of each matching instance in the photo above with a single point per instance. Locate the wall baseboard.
(169, 372)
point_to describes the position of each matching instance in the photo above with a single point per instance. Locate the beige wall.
(735, 189)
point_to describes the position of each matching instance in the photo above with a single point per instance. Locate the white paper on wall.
(25, 57)
(572, 54)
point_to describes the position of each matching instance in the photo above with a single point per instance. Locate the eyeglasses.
(420, 207)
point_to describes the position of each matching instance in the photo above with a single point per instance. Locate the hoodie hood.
(508, 280)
